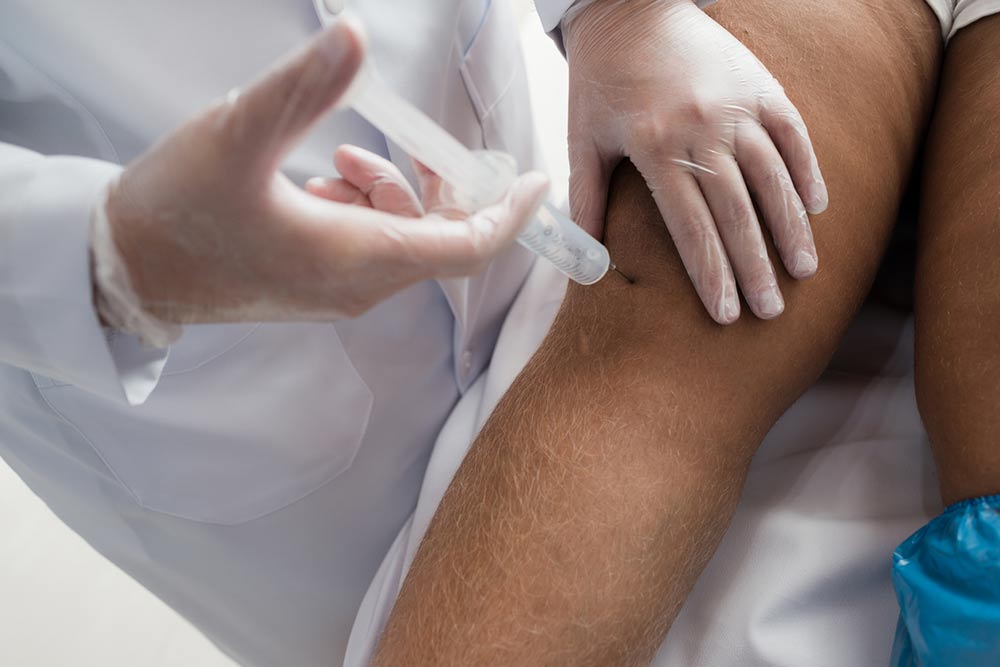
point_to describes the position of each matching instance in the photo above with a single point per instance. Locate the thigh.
(607, 474)
(958, 268)
(863, 76)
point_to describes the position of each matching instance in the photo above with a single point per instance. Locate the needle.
(615, 269)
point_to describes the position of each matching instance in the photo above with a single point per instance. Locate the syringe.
(482, 178)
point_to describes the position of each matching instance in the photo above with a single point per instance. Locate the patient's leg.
(946, 574)
(958, 276)
(606, 477)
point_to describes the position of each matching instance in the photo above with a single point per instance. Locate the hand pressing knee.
(653, 341)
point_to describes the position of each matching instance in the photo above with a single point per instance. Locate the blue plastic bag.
(947, 580)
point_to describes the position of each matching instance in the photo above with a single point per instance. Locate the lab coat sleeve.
(48, 325)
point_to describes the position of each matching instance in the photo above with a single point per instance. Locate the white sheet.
(802, 576)
(957, 14)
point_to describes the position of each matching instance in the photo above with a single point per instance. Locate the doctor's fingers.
(692, 228)
(741, 235)
(791, 137)
(258, 125)
(589, 180)
(776, 196)
(447, 247)
(338, 190)
(382, 181)
(438, 196)
(367, 179)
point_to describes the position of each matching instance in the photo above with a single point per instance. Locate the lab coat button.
(334, 6)
(466, 362)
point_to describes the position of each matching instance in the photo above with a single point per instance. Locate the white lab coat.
(253, 476)
(257, 477)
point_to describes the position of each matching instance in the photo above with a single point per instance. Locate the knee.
(728, 383)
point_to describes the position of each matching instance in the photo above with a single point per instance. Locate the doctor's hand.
(370, 180)
(711, 131)
(203, 228)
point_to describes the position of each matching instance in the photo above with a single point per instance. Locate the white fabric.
(957, 14)
(252, 476)
(551, 12)
(803, 575)
(522, 332)
(47, 321)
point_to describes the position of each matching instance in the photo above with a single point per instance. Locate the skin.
(958, 275)
(571, 535)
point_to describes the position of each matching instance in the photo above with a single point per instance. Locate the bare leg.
(606, 477)
(958, 274)
(946, 575)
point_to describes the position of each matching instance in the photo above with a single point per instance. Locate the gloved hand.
(202, 227)
(711, 131)
(369, 180)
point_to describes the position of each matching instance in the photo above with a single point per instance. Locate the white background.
(61, 603)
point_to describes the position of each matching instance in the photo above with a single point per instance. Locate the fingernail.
(819, 198)
(350, 27)
(730, 309)
(316, 183)
(350, 150)
(804, 265)
(770, 304)
(334, 43)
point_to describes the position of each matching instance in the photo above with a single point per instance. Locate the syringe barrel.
(573, 251)
(551, 234)
(479, 178)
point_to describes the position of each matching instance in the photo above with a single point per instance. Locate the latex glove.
(205, 229)
(370, 180)
(711, 131)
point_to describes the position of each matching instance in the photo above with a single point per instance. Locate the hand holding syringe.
(480, 178)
